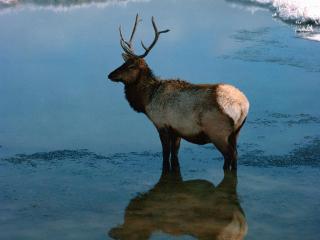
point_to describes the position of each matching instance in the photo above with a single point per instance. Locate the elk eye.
(131, 66)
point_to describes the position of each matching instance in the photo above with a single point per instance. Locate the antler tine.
(127, 46)
(156, 37)
(121, 36)
(144, 47)
(134, 28)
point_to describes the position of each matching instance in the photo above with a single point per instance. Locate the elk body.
(198, 113)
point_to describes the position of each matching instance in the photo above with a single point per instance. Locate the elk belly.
(188, 126)
(182, 121)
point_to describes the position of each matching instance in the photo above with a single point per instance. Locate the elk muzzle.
(114, 76)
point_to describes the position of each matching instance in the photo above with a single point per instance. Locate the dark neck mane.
(140, 92)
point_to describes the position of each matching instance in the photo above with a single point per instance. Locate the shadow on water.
(195, 207)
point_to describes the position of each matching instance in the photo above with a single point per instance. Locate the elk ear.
(125, 56)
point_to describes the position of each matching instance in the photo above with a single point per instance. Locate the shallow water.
(78, 163)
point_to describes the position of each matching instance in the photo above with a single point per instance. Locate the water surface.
(75, 158)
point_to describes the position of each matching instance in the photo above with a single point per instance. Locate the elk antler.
(156, 37)
(127, 46)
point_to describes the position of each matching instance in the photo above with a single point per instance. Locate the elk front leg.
(175, 145)
(165, 141)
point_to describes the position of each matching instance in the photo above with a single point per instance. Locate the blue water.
(56, 101)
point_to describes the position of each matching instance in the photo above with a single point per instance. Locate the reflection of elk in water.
(198, 113)
(195, 207)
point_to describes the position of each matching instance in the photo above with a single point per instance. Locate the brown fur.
(140, 93)
(143, 90)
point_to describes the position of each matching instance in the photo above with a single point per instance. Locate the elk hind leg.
(233, 145)
(219, 135)
(232, 152)
(226, 148)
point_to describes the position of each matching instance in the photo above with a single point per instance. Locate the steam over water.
(303, 14)
(297, 11)
(58, 5)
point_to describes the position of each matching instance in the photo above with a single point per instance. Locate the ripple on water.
(263, 45)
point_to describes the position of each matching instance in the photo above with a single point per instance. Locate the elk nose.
(111, 76)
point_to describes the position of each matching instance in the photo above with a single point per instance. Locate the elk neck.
(140, 93)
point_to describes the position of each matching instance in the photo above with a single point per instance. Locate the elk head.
(134, 65)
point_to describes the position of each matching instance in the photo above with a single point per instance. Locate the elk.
(198, 113)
